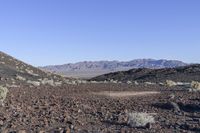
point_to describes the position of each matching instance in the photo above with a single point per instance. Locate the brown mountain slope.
(14, 72)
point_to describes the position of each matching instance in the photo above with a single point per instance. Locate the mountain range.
(89, 69)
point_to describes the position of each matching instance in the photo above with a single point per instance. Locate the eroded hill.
(14, 72)
(179, 74)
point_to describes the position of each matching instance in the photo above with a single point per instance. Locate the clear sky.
(43, 32)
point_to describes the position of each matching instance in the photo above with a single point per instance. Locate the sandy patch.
(126, 93)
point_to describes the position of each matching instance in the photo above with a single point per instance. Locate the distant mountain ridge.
(89, 69)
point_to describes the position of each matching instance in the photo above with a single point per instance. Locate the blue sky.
(43, 32)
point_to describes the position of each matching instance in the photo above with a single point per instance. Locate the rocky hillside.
(92, 69)
(179, 74)
(14, 73)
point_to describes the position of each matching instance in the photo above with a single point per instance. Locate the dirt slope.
(15, 72)
(184, 74)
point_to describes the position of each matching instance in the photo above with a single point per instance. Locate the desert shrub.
(195, 85)
(58, 83)
(170, 83)
(73, 82)
(129, 82)
(160, 83)
(113, 81)
(93, 82)
(48, 82)
(31, 72)
(140, 119)
(136, 83)
(3, 94)
(81, 81)
(18, 77)
(66, 81)
(34, 83)
(149, 83)
(105, 81)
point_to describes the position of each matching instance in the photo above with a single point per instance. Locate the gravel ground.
(77, 109)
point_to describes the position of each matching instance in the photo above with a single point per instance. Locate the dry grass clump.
(46, 81)
(129, 82)
(140, 119)
(136, 83)
(113, 81)
(34, 83)
(195, 85)
(18, 77)
(170, 83)
(3, 94)
(149, 83)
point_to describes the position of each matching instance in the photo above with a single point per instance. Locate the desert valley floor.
(99, 108)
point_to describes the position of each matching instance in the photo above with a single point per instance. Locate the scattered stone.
(173, 106)
(41, 131)
(171, 96)
(169, 106)
(2, 62)
(1, 123)
(22, 131)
